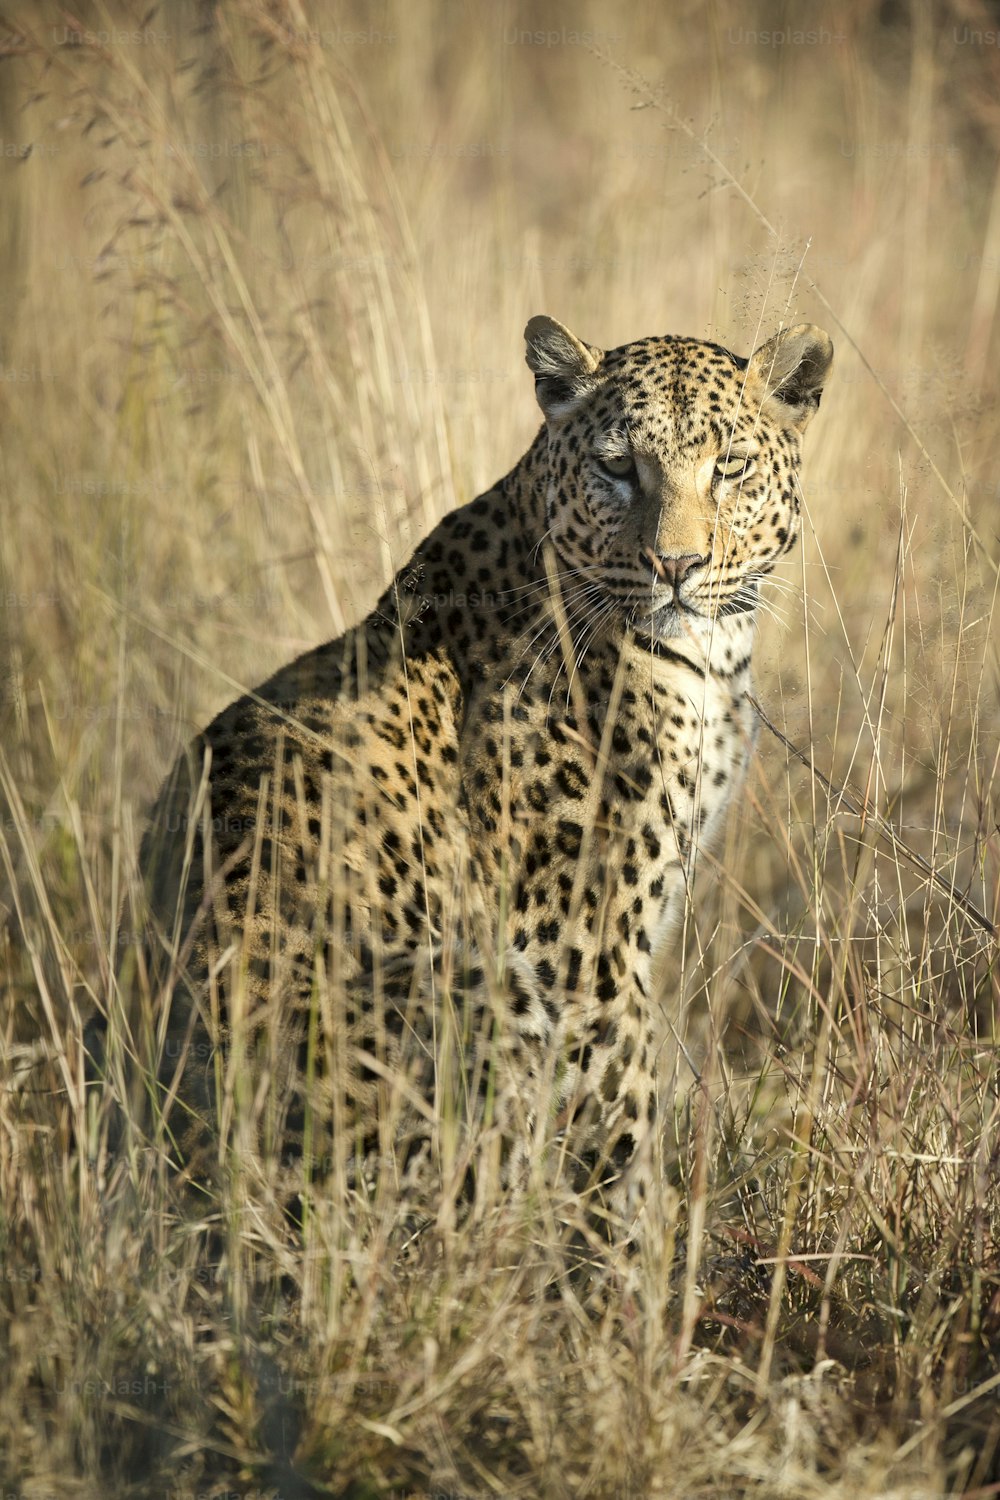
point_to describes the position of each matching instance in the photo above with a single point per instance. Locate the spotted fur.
(441, 855)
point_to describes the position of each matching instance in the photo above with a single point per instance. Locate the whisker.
(586, 641)
(538, 585)
(570, 594)
(573, 619)
(538, 545)
(577, 611)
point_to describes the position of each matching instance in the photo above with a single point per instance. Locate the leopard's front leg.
(611, 1111)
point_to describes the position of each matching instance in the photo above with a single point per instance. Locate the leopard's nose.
(673, 570)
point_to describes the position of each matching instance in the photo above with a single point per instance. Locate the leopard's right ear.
(563, 366)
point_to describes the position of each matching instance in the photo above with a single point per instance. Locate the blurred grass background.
(264, 271)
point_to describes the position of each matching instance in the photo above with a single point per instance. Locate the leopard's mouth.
(658, 613)
(668, 620)
(676, 615)
(669, 601)
(664, 612)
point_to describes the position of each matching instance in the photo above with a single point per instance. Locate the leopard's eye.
(620, 468)
(735, 466)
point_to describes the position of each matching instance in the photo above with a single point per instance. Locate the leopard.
(434, 869)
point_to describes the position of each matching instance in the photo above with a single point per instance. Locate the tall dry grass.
(264, 275)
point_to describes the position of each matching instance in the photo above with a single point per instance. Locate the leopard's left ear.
(790, 371)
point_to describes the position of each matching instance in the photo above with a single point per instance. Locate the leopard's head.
(671, 468)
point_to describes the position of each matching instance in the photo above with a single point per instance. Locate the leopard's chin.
(668, 621)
